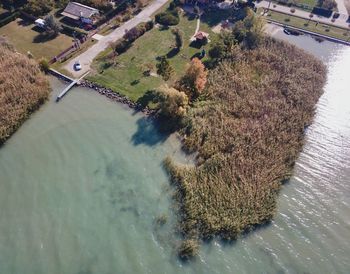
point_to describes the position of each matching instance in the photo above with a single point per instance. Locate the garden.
(134, 72)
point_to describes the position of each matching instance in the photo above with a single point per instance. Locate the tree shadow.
(23, 23)
(149, 97)
(43, 37)
(197, 55)
(148, 133)
(196, 44)
(172, 53)
(213, 16)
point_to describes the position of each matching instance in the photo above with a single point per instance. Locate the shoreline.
(117, 97)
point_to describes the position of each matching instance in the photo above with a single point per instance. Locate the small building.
(80, 12)
(201, 36)
(40, 23)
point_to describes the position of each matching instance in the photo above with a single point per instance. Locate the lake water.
(81, 185)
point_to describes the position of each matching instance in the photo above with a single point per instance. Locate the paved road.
(340, 22)
(86, 57)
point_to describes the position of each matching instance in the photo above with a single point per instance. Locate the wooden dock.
(69, 87)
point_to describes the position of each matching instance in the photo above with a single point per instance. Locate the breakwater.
(117, 97)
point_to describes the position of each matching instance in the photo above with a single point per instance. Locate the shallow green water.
(81, 184)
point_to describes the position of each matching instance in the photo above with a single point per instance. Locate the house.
(80, 12)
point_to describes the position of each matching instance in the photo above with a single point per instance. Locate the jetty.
(69, 87)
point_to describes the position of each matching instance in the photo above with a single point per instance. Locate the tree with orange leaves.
(193, 82)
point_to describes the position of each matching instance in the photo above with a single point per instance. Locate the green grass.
(127, 76)
(310, 26)
(311, 3)
(22, 37)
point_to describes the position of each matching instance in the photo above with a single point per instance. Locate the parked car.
(287, 31)
(77, 66)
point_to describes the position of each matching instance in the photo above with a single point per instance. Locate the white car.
(77, 66)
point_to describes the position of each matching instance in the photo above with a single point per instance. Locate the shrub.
(44, 65)
(164, 68)
(9, 19)
(292, 10)
(188, 249)
(149, 25)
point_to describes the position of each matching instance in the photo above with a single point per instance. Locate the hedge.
(9, 19)
(70, 30)
(125, 43)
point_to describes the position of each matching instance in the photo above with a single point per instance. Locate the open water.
(81, 184)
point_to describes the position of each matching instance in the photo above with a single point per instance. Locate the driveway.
(88, 56)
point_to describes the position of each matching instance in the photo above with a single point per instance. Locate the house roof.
(201, 35)
(76, 10)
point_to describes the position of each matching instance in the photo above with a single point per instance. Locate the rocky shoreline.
(117, 97)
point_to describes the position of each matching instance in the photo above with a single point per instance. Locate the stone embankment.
(116, 97)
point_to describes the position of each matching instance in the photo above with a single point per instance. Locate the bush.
(121, 46)
(44, 65)
(292, 10)
(168, 18)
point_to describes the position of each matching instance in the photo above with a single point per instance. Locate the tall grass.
(248, 134)
(23, 88)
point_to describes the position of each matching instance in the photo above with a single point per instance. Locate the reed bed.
(23, 88)
(248, 133)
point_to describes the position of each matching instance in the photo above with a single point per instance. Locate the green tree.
(38, 7)
(249, 31)
(164, 68)
(53, 28)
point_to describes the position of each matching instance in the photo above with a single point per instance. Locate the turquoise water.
(81, 185)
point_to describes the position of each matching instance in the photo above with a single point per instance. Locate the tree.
(53, 28)
(249, 31)
(327, 4)
(193, 82)
(164, 68)
(178, 38)
(172, 103)
(38, 7)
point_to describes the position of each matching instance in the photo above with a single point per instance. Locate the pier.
(69, 87)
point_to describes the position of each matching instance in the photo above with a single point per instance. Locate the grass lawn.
(310, 3)
(310, 26)
(127, 77)
(25, 38)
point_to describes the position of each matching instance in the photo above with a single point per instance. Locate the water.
(81, 185)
